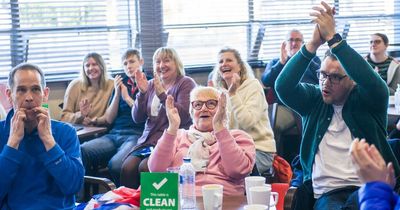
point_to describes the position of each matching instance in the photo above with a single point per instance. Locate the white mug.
(262, 195)
(212, 196)
(255, 207)
(252, 181)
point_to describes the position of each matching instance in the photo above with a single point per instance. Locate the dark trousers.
(339, 199)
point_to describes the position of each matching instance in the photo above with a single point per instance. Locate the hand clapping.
(283, 56)
(219, 120)
(85, 107)
(323, 16)
(173, 116)
(234, 84)
(370, 164)
(141, 81)
(157, 84)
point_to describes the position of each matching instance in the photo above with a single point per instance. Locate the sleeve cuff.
(53, 155)
(222, 134)
(168, 137)
(338, 47)
(306, 53)
(279, 65)
(375, 190)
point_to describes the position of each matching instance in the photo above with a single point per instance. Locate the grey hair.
(25, 66)
(212, 92)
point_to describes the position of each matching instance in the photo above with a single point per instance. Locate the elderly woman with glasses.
(219, 155)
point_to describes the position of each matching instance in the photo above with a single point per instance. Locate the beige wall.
(57, 90)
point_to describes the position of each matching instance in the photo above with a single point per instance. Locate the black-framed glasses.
(295, 40)
(333, 78)
(210, 104)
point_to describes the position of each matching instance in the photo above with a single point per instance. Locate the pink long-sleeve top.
(232, 158)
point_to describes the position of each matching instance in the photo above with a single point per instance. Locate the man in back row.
(350, 102)
(292, 44)
(40, 160)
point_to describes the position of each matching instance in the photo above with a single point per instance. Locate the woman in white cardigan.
(249, 108)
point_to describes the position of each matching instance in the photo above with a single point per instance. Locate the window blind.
(57, 34)
(199, 28)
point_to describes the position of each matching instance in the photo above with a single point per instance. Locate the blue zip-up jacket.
(31, 178)
(378, 196)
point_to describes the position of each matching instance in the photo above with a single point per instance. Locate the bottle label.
(186, 179)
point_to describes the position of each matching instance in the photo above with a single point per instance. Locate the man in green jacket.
(351, 101)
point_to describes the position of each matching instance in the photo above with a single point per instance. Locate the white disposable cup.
(262, 195)
(255, 207)
(212, 196)
(252, 181)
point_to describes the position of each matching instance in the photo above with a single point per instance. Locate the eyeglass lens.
(210, 104)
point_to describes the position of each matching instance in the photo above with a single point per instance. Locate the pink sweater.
(232, 158)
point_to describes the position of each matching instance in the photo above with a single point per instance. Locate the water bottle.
(187, 185)
(397, 99)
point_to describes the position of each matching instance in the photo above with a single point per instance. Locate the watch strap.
(335, 39)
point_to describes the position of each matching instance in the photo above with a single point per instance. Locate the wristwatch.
(335, 39)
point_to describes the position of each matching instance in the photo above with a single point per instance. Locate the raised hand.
(234, 84)
(220, 118)
(323, 16)
(370, 164)
(157, 84)
(284, 56)
(85, 107)
(141, 81)
(44, 127)
(172, 115)
(17, 130)
(117, 84)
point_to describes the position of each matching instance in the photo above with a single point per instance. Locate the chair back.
(281, 189)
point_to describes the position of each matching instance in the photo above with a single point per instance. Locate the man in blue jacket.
(350, 102)
(40, 160)
(289, 47)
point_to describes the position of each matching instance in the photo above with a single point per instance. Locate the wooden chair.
(95, 185)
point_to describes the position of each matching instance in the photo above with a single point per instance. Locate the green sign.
(159, 191)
